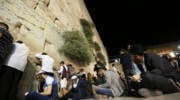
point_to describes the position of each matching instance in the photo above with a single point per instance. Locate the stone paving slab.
(174, 96)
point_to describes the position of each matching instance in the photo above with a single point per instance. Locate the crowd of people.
(146, 74)
(149, 74)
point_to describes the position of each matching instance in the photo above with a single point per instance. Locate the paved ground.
(175, 96)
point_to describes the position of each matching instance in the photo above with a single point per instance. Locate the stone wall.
(41, 24)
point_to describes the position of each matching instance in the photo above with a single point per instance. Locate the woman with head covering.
(50, 86)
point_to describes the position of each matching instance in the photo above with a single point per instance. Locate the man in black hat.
(155, 70)
(100, 79)
(113, 86)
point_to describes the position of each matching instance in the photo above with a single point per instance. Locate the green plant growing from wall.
(86, 26)
(101, 57)
(76, 48)
(87, 29)
(96, 46)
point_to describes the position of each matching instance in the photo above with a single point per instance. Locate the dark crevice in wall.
(55, 19)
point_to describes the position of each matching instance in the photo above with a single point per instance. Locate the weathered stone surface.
(27, 82)
(41, 23)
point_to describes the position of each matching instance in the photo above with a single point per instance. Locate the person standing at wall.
(13, 70)
(6, 43)
(64, 74)
(6, 48)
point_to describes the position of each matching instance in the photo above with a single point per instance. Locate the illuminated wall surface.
(41, 25)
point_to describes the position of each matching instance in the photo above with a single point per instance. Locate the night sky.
(123, 22)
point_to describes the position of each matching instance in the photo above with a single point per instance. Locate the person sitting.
(81, 89)
(173, 60)
(99, 79)
(156, 73)
(50, 86)
(113, 87)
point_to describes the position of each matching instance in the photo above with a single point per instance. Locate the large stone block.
(41, 24)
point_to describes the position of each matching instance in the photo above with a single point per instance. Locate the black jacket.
(6, 45)
(155, 62)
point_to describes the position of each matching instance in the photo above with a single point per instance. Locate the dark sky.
(120, 22)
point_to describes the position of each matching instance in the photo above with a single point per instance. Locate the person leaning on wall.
(6, 48)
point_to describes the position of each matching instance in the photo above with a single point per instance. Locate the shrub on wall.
(76, 48)
(101, 57)
(87, 29)
(86, 26)
(96, 46)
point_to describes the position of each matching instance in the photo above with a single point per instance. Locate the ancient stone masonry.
(41, 25)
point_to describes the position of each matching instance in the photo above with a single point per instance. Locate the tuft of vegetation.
(76, 48)
(87, 29)
(101, 57)
(96, 46)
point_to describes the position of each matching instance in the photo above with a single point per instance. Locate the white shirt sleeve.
(49, 80)
(60, 69)
(39, 55)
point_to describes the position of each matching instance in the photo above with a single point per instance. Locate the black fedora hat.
(136, 49)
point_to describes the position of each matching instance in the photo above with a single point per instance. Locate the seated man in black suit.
(156, 71)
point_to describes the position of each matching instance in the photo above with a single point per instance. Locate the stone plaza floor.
(174, 96)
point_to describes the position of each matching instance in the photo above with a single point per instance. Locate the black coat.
(6, 45)
(155, 62)
(158, 65)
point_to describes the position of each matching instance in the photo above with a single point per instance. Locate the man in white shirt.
(13, 70)
(18, 59)
(47, 61)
